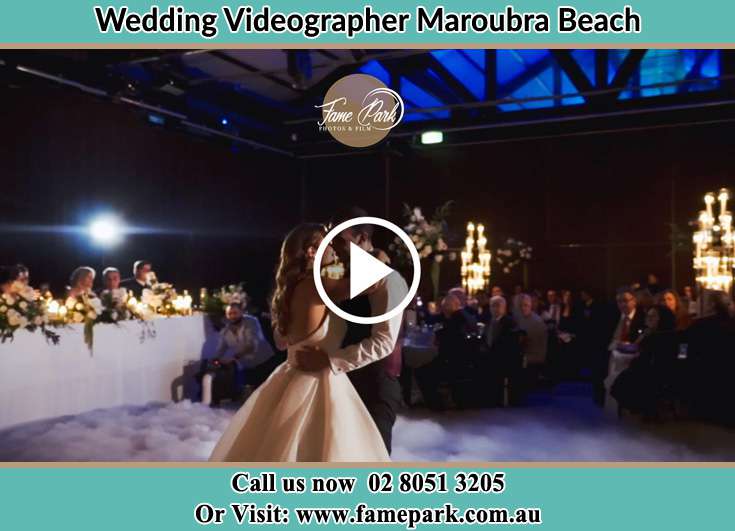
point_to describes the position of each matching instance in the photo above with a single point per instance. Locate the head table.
(130, 363)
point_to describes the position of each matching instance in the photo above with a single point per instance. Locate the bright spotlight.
(432, 137)
(106, 231)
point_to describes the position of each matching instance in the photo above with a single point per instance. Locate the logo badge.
(359, 110)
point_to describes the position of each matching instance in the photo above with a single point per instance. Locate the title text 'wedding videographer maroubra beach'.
(245, 19)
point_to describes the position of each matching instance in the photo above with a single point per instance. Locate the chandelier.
(714, 243)
(475, 274)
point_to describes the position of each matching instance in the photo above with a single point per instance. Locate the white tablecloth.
(619, 361)
(419, 347)
(39, 380)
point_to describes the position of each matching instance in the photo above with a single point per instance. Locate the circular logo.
(359, 110)
(367, 220)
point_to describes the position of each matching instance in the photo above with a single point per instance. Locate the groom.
(370, 354)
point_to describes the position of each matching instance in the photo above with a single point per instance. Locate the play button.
(365, 270)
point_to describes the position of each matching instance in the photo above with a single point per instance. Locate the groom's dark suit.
(376, 383)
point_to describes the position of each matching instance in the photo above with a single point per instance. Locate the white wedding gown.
(304, 416)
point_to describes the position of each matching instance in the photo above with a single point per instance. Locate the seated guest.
(534, 344)
(460, 294)
(502, 360)
(652, 284)
(670, 299)
(515, 301)
(483, 307)
(639, 386)
(111, 278)
(644, 298)
(451, 340)
(551, 313)
(111, 285)
(596, 324)
(631, 324)
(81, 282)
(689, 301)
(711, 344)
(243, 356)
(564, 354)
(139, 280)
(454, 316)
(536, 302)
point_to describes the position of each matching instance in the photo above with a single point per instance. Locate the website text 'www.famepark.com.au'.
(361, 513)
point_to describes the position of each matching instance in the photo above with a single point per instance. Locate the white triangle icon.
(365, 270)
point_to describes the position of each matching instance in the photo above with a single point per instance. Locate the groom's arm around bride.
(370, 356)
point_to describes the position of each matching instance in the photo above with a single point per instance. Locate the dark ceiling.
(265, 99)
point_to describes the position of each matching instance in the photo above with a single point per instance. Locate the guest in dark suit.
(502, 359)
(631, 324)
(139, 281)
(638, 387)
(597, 320)
(450, 365)
(483, 307)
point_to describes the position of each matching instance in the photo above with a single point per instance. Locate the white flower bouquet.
(429, 236)
(214, 303)
(159, 298)
(512, 254)
(84, 309)
(115, 306)
(21, 308)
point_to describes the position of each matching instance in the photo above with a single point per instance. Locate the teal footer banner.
(377, 23)
(571, 498)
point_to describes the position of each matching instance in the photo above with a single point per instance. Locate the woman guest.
(689, 301)
(671, 300)
(569, 362)
(639, 386)
(81, 282)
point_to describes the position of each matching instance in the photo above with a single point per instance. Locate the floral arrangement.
(428, 235)
(214, 303)
(512, 254)
(84, 309)
(160, 298)
(114, 306)
(21, 308)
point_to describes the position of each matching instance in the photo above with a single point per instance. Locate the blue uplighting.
(375, 69)
(536, 75)
(414, 97)
(466, 71)
(512, 63)
(672, 66)
(224, 121)
(550, 80)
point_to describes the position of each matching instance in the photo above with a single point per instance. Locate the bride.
(297, 415)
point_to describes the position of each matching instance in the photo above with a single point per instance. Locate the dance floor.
(562, 426)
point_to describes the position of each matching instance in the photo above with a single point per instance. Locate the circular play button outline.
(395, 229)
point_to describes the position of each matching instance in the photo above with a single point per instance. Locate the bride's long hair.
(294, 265)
